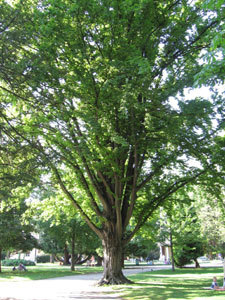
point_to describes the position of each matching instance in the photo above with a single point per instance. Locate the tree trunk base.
(114, 280)
(197, 265)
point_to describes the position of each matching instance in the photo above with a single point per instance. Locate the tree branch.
(158, 201)
(76, 205)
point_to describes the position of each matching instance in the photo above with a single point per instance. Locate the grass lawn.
(179, 285)
(44, 271)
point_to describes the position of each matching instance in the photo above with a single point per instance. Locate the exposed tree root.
(114, 280)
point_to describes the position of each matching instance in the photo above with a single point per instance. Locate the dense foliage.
(15, 233)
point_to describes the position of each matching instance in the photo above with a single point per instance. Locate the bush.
(43, 258)
(16, 262)
(187, 252)
(181, 259)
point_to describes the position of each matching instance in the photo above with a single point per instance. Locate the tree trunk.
(73, 252)
(80, 262)
(66, 261)
(122, 262)
(172, 254)
(112, 263)
(99, 260)
(197, 265)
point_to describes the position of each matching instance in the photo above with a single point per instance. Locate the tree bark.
(73, 252)
(172, 254)
(197, 265)
(112, 262)
(80, 261)
(99, 260)
(66, 256)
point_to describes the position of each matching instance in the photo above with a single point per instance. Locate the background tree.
(89, 86)
(18, 176)
(15, 233)
(62, 231)
(49, 240)
(211, 215)
(145, 244)
(142, 248)
(188, 241)
(74, 241)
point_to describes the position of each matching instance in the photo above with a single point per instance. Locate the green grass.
(44, 271)
(168, 285)
(183, 284)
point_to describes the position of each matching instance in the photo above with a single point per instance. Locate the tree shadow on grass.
(158, 292)
(181, 284)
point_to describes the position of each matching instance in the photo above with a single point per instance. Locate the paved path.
(77, 287)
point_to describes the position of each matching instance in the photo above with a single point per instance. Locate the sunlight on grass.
(44, 271)
(156, 285)
(179, 285)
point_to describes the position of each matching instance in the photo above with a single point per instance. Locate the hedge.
(43, 258)
(16, 262)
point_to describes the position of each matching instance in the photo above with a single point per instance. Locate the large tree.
(89, 85)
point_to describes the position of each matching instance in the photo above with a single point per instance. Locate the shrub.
(16, 262)
(181, 259)
(43, 258)
(187, 252)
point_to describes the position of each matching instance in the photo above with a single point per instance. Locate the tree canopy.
(89, 85)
